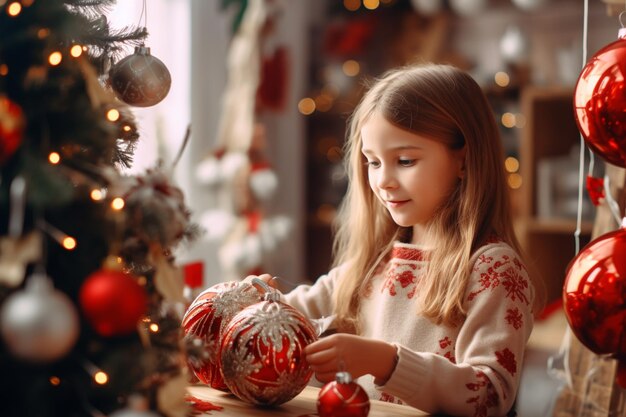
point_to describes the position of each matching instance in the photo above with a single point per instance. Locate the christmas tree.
(90, 299)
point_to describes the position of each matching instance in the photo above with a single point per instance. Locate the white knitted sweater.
(469, 370)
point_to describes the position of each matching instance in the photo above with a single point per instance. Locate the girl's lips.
(396, 203)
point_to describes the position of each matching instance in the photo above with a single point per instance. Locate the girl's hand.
(354, 354)
(267, 278)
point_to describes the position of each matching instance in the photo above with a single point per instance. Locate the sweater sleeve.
(483, 376)
(314, 301)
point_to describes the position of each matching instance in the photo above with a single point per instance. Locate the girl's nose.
(386, 178)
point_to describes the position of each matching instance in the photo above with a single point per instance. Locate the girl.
(432, 303)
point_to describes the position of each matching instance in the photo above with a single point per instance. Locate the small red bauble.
(113, 302)
(11, 128)
(600, 100)
(205, 319)
(262, 352)
(343, 398)
(594, 294)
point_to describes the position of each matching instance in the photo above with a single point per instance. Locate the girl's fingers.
(325, 376)
(324, 343)
(321, 356)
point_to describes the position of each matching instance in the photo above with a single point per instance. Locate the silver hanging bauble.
(39, 323)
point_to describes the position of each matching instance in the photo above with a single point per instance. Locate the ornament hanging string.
(558, 365)
(144, 14)
(581, 176)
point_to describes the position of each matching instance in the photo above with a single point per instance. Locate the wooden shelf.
(550, 132)
(558, 226)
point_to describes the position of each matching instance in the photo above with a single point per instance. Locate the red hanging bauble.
(140, 79)
(594, 294)
(113, 301)
(343, 398)
(600, 100)
(262, 352)
(11, 128)
(205, 319)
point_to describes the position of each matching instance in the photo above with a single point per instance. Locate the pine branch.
(90, 8)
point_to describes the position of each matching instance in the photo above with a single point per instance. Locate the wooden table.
(301, 406)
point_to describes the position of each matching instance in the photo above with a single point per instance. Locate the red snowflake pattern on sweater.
(403, 274)
(444, 343)
(485, 401)
(514, 318)
(506, 358)
(505, 272)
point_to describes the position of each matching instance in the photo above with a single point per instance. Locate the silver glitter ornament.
(39, 323)
(140, 79)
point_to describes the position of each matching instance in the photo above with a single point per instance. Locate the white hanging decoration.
(468, 7)
(513, 45)
(263, 183)
(427, 7)
(529, 5)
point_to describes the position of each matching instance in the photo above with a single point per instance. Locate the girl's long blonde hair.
(443, 103)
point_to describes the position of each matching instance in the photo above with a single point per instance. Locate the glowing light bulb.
(352, 5)
(371, 4)
(515, 181)
(76, 51)
(502, 79)
(508, 120)
(101, 378)
(55, 58)
(54, 158)
(126, 128)
(43, 33)
(117, 203)
(511, 164)
(4, 69)
(96, 194)
(14, 9)
(55, 380)
(113, 115)
(69, 243)
(351, 68)
(306, 106)
(154, 327)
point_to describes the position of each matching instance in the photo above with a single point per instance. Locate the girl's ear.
(460, 160)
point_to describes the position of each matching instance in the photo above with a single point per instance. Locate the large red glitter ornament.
(594, 295)
(205, 319)
(343, 398)
(11, 128)
(600, 100)
(112, 301)
(262, 352)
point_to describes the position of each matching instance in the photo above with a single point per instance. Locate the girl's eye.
(406, 162)
(372, 164)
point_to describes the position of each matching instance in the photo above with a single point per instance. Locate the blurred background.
(315, 57)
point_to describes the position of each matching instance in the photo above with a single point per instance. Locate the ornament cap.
(142, 50)
(343, 377)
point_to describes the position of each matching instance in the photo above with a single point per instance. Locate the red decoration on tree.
(262, 352)
(11, 128)
(594, 295)
(113, 301)
(343, 398)
(595, 189)
(600, 100)
(206, 318)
